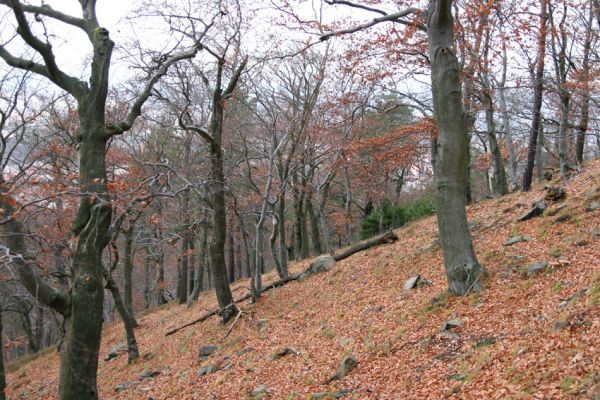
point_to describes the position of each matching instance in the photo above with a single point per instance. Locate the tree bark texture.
(462, 268)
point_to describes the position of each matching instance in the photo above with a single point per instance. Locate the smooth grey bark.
(561, 70)
(214, 137)
(506, 128)
(499, 175)
(199, 281)
(584, 117)
(231, 258)
(314, 224)
(462, 268)
(539, 154)
(128, 271)
(159, 252)
(351, 230)
(126, 317)
(282, 249)
(538, 87)
(183, 271)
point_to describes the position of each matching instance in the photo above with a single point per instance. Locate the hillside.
(522, 337)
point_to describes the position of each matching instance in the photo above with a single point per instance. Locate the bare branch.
(48, 11)
(395, 17)
(136, 109)
(66, 82)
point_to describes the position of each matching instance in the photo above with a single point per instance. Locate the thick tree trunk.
(89, 238)
(462, 269)
(217, 248)
(538, 87)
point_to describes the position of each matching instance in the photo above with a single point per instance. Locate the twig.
(233, 324)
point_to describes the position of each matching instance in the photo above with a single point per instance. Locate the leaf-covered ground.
(519, 338)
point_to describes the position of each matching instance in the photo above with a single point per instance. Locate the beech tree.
(462, 268)
(82, 305)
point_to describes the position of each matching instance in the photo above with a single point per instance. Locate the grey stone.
(559, 325)
(451, 323)
(115, 352)
(148, 375)
(207, 350)
(262, 324)
(594, 205)
(536, 268)
(370, 310)
(536, 210)
(122, 386)
(209, 369)
(260, 392)
(411, 282)
(562, 218)
(555, 194)
(556, 210)
(322, 264)
(347, 365)
(513, 240)
(341, 393)
(282, 352)
(573, 298)
(319, 396)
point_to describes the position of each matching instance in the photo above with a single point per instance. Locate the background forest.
(203, 142)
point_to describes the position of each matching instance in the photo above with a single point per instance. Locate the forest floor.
(523, 337)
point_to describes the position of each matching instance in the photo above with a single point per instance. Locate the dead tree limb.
(386, 238)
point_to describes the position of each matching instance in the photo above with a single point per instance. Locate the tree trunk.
(538, 87)
(132, 348)
(182, 282)
(283, 251)
(2, 374)
(507, 132)
(584, 118)
(217, 248)
(314, 225)
(231, 258)
(89, 238)
(539, 154)
(128, 271)
(462, 269)
(499, 177)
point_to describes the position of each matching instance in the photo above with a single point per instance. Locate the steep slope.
(517, 339)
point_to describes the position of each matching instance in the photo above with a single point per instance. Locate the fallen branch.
(233, 324)
(206, 316)
(386, 238)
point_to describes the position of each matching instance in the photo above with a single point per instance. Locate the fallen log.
(386, 238)
(206, 316)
